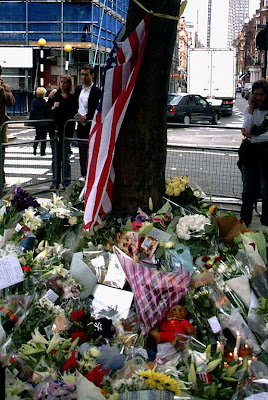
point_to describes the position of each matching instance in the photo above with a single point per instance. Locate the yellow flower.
(169, 191)
(160, 381)
(177, 192)
(212, 209)
(150, 383)
(72, 221)
(169, 245)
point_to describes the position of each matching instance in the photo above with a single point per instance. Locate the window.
(200, 101)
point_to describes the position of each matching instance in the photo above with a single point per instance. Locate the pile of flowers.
(175, 186)
(82, 313)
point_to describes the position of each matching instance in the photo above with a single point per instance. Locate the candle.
(235, 354)
(220, 347)
(238, 340)
(249, 368)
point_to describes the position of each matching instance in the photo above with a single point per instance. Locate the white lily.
(54, 342)
(58, 270)
(37, 338)
(70, 379)
(57, 248)
(57, 201)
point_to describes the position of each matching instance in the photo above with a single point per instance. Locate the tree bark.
(140, 153)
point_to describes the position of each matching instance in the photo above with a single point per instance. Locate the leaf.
(231, 370)
(146, 229)
(192, 376)
(229, 379)
(213, 389)
(166, 209)
(208, 351)
(128, 225)
(213, 364)
(159, 252)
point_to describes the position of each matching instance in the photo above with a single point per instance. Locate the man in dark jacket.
(88, 96)
(6, 100)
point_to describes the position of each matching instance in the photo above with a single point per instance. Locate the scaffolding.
(90, 26)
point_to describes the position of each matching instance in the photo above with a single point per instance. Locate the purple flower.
(22, 200)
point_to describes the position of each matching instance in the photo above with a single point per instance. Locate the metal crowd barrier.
(212, 169)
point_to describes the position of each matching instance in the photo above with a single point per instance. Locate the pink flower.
(136, 225)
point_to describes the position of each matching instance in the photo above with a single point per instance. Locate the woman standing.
(40, 111)
(253, 161)
(63, 106)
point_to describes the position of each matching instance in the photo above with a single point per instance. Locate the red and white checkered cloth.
(154, 291)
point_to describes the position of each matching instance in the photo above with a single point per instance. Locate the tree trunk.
(140, 154)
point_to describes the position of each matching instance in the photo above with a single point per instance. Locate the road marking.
(33, 162)
(25, 171)
(14, 180)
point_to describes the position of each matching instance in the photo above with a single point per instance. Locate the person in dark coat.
(6, 100)
(253, 159)
(63, 105)
(40, 111)
(88, 96)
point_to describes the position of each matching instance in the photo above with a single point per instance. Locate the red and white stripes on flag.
(121, 72)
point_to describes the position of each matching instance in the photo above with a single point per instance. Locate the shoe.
(34, 151)
(247, 223)
(52, 186)
(82, 178)
(42, 154)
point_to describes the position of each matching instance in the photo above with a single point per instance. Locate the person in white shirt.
(88, 96)
(254, 161)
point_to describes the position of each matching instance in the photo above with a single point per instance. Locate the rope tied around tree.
(159, 15)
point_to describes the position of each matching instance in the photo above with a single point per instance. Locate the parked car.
(238, 88)
(171, 96)
(246, 90)
(187, 108)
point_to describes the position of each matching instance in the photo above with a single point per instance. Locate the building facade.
(90, 26)
(225, 19)
(251, 60)
(241, 15)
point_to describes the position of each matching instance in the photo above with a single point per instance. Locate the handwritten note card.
(10, 271)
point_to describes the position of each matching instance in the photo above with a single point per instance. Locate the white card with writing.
(51, 296)
(10, 271)
(158, 234)
(214, 324)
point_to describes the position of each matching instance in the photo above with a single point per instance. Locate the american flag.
(120, 74)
